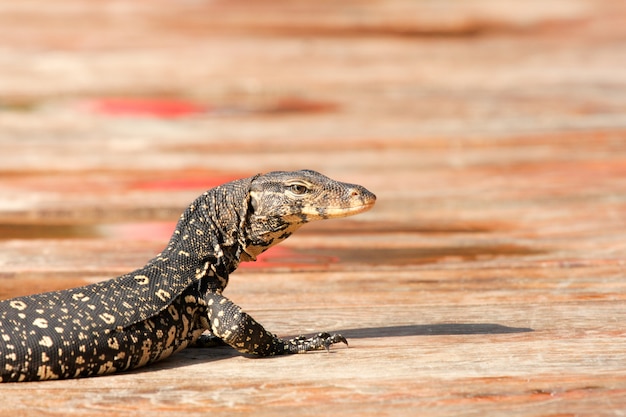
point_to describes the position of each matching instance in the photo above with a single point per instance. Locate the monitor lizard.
(176, 299)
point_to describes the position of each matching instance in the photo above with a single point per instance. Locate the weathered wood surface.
(490, 277)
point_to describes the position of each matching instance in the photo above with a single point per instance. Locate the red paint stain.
(144, 107)
(164, 108)
(187, 183)
(117, 182)
(283, 257)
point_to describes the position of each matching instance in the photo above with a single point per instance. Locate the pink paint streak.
(144, 107)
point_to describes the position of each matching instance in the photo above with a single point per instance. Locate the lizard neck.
(209, 237)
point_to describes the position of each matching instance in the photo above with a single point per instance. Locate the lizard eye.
(298, 189)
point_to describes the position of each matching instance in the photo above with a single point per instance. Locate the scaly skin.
(148, 314)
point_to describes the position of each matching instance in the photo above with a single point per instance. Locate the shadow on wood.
(205, 354)
(432, 330)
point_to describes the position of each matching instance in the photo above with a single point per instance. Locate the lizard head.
(281, 202)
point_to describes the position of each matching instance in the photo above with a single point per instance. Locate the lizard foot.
(302, 344)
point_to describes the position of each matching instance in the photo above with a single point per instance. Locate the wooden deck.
(488, 280)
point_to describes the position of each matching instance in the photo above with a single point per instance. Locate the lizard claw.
(323, 340)
(329, 339)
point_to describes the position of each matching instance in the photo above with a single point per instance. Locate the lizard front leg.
(239, 330)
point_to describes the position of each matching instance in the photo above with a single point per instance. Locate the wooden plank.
(488, 279)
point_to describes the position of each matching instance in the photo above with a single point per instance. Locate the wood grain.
(488, 279)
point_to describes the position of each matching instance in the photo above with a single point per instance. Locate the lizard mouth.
(348, 211)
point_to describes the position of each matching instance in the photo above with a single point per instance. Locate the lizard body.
(147, 315)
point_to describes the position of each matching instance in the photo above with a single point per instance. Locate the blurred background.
(144, 103)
